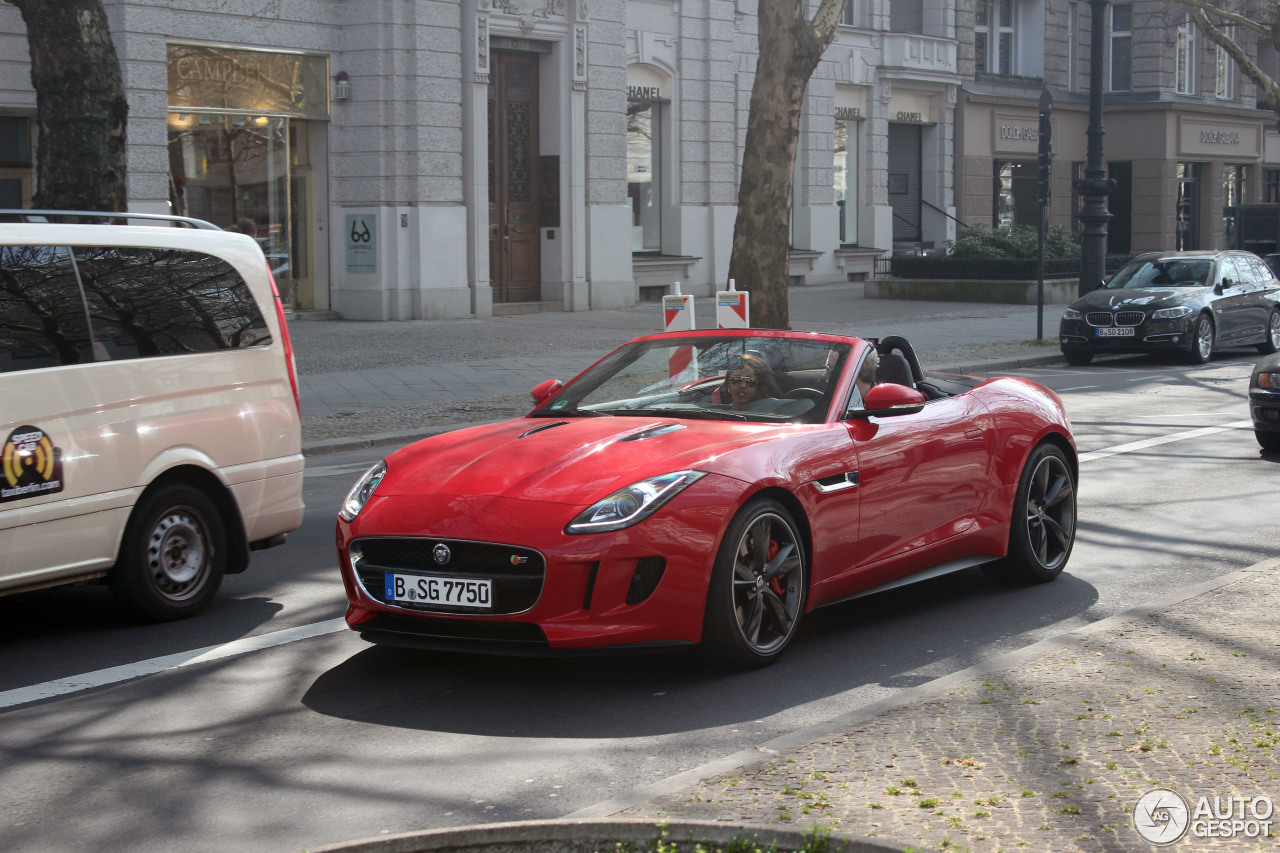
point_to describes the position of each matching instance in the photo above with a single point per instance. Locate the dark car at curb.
(1183, 303)
(1264, 402)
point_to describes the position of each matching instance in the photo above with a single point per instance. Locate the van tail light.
(284, 335)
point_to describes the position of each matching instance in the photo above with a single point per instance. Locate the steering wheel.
(803, 394)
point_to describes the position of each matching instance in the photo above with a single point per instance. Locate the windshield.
(776, 380)
(1164, 272)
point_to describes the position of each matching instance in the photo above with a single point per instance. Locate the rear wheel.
(1077, 358)
(1267, 440)
(1202, 337)
(758, 587)
(1272, 342)
(173, 555)
(1042, 528)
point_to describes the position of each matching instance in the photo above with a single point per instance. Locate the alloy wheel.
(1051, 512)
(767, 582)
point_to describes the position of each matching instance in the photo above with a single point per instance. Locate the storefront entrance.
(515, 258)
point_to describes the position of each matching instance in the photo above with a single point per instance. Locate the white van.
(150, 430)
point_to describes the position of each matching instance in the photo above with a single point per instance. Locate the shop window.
(1015, 194)
(994, 42)
(1272, 187)
(1185, 72)
(1122, 47)
(1187, 223)
(644, 174)
(1226, 69)
(846, 179)
(1232, 185)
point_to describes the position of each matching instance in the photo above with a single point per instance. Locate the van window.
(145, 302)
(42, 317)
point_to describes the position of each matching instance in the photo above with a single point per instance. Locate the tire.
(1042, 527)
(173, 555)
(1267, 440)
(1076, 358)
(1202, 339)
(1272, 332)
(759, 585)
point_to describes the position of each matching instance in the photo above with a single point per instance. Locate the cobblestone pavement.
(1051, 753)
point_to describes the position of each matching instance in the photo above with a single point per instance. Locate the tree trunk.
(790, 48)
(80, 105)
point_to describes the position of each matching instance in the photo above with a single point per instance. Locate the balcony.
(920, 57)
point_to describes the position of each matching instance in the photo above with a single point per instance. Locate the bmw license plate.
(458, 592)
(1116, 332)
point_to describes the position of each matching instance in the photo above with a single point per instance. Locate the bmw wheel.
(1077, 357)
(1267, 440)
(1042, 526)
(173, 555)
(1202, 335)
(1272, 342)
(758, 587)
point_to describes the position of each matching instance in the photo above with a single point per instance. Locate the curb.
(585, 836)
(321, 447)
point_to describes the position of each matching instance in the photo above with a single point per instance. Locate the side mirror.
(888, 400)
(544, 390)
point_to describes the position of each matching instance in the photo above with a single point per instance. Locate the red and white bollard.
(677, 315)
(733, 308)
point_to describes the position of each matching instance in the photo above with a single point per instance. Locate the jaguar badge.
(441, 554)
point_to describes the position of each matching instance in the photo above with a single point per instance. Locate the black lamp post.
(1095, 186)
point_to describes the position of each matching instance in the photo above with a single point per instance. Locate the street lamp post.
(1095, 186)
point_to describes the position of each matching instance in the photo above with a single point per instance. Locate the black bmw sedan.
(1186, 303)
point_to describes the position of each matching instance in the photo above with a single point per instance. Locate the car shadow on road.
(866, 648)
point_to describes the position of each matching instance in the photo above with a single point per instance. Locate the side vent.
(661, 429)
(649, 571)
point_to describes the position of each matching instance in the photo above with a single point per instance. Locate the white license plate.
(458, 592)
(1116, 332)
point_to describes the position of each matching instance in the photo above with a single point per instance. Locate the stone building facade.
(453, 158)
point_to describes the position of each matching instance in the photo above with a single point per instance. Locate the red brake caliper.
(776, 583)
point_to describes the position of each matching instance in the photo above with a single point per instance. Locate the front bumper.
(640, 587)
(1264, 409)
(1149, 336)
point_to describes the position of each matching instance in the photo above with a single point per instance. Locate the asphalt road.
(324, 738)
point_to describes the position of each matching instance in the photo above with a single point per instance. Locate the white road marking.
(155, 666)
(1077, 388)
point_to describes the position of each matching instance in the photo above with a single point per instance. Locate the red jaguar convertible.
(707, 487)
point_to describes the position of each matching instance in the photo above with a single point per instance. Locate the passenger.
(750, 380)
(865, 379)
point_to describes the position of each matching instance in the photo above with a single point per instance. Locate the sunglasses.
(743, 380)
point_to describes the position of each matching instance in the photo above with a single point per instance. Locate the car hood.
(575, 461)
(1121, 299)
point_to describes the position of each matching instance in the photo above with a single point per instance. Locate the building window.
(846, 179)
(994, 37)
(1232, 185)
(1226, 69)
(1187, 223)
(1122, 47)
(855, 13)
(644, 175)
(1272, 186)
(15, 162)
(1186, 59)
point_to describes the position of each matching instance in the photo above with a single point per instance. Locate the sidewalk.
(1047, 748)
(384, 383)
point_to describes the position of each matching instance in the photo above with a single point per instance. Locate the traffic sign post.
(677, 316)
(733, 308)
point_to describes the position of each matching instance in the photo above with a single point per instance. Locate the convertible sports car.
(707, 487)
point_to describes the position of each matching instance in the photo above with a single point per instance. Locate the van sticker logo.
(29, 465)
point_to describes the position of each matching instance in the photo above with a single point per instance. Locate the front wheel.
(1272, 342)
(1267, 440)
(1042, 528)
(173, 555)
(1202, 335)
(758, 587)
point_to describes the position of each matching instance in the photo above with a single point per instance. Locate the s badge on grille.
(517, 560)
(441, 554)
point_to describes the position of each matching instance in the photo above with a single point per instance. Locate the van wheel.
(173, 555)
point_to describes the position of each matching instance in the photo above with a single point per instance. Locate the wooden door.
(515, 259)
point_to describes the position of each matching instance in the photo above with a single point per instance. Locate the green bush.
(1021, 241)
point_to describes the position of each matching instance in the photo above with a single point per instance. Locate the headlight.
(1171, 313)
(1270, 381)
(362, 491)
(633, 504)
(1072, 314)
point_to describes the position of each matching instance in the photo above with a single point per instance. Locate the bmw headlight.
(633, 504)
(362, 491)
(1270, 381)
(1072, 314)
(1171, 313)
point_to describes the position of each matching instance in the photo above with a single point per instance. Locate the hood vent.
(659, 429)
(540, 429)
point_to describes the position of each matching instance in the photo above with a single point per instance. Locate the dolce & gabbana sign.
(1015, 133)
(1219, 139)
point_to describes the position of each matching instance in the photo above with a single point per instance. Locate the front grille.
(1129, 318)
(1098, 318)
(454, 629)
(517, 573)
